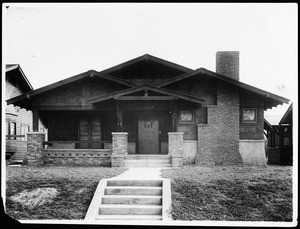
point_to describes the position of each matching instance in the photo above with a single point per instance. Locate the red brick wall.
(218, 140)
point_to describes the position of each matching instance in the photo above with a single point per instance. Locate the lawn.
(52, 192)
(198, 193)
(231, 193)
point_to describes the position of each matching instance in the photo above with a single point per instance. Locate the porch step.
(147, 156)
(129, 217)
(147, 161)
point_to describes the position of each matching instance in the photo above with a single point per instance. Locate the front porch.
(116, 156)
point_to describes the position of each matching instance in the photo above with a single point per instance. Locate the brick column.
(34, 148)
(119, 148)
(176, 148)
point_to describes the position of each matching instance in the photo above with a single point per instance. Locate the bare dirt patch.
(75, 189)
(35, 197)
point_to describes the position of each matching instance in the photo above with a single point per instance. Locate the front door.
(90, 133)
(148, 136)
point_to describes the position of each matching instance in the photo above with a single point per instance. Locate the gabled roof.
(90, 73)
(117, 94)
(270, 100)
(18, 78)
(288, 116)
(147, 57)
(202, 71)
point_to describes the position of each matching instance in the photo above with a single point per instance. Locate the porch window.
(24, 129)
(186, 116)
(11, 129)
(249, 115)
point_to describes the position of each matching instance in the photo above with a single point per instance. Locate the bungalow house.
(150, 106)
(18, 121)
(280, 139)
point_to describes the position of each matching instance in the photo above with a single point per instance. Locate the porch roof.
(169, 95)
(90, 73)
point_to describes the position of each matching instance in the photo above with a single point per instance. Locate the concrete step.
(166, 160)
(147, 156)
(143, 183)
(132, 190)
(147, 165)
(129, 217)
(132, 200)
(124, 209)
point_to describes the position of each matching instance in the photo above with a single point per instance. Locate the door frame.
(153, 117)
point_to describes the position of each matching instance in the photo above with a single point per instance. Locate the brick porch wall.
(218, 140)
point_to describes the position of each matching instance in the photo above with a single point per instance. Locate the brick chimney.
(227, 64)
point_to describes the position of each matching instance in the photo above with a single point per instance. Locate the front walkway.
(140, 174)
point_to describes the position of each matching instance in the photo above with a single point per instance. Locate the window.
(24, 129)
(11, 129)
(186, 116)
(249, 115)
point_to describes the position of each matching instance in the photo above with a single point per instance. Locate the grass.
(198, 193)
(231, 193)
(75, 186)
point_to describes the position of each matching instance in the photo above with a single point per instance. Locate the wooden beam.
(174, 115)
(142, 98)
(119, 117)
(35, 120)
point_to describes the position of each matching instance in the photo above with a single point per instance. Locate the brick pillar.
(119, 148)
(176, 148)
(34, 148)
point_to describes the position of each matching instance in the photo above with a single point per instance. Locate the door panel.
(90, 130)
(148, 137)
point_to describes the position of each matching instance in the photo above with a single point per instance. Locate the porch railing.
(14, 137)
(77, 143)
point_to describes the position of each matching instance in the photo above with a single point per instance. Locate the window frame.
(187, 122)
(255, 115)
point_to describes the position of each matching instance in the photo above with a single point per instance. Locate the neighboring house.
(280, 139)
(18, 120)
(222, 119)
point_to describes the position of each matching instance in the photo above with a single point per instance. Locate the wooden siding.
(254, 131)
(200, 87)
(191, 130)
(153, 72)
(77, 93)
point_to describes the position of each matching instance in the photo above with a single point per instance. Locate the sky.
(52, 42)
